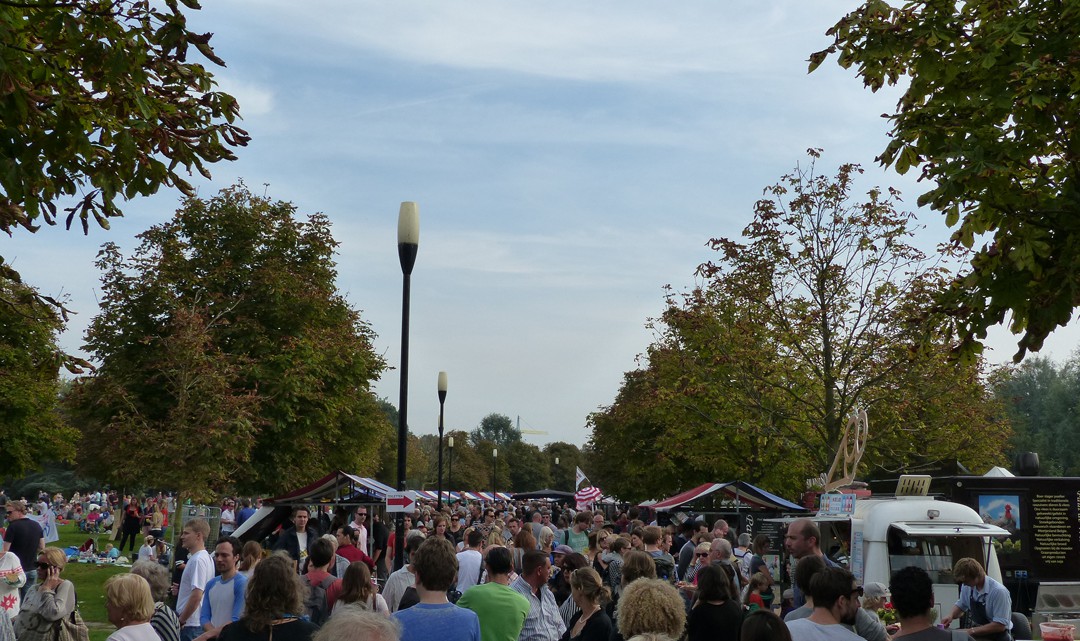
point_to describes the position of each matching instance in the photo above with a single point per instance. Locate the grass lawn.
(89, 580)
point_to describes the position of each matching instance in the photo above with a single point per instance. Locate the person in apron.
(985, 600)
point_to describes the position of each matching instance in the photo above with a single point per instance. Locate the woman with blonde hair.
(50, 599)
(273, 605)
(494, 537)
(157, 522)
(357, 589)
(590, 623)
(130, 605)
(547, 540)
(651, 606)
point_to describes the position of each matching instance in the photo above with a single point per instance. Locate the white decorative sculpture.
(852, 446)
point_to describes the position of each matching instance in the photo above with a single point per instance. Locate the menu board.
(1055, 533)
(758, 524)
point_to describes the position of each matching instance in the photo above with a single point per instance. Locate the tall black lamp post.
(442, 401)
(408, 243)
(450, 473)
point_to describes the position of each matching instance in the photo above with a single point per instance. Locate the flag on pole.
(580, 478)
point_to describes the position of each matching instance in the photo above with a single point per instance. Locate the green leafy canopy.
(98, 99)
(223, 343)
(991, 116)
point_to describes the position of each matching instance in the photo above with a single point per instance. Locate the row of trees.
(820, 310)
(1042, 401)
(519, 466)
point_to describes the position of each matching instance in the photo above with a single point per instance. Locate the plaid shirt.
(544, 622)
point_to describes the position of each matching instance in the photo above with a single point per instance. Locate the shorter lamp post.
(450, 474)
(494, 462)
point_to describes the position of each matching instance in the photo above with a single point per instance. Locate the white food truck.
(882, 535)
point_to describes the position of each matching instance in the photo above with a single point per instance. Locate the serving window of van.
(935, 547)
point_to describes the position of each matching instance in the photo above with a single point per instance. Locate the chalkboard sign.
(758, 523)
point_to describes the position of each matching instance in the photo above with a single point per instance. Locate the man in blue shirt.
(245, 513)
(223, 600)
(434, 618)
(984, 599)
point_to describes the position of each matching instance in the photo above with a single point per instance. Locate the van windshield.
(935, 554)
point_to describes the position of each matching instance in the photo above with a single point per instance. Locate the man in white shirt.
(402, 578)
(197, 573)
(470, 561)
(228, 518)
(359, 524)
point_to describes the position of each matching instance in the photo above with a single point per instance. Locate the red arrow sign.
(399, 501)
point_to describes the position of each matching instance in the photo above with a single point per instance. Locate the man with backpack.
(665, 563)
(319, 579)
(577, 537)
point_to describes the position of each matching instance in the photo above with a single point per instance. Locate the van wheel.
(1021, 627)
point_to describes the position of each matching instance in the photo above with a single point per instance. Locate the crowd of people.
(472, 572)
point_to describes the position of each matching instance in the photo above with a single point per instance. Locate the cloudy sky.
(570, 159)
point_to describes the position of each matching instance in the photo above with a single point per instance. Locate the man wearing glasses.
(25, 539)
(836, 604)
(867, 626)
(360, 525)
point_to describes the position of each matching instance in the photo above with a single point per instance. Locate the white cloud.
(635, 42)
(254, 99)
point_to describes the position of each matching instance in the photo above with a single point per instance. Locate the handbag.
(72, 628)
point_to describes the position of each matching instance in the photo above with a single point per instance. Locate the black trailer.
(1040, 561)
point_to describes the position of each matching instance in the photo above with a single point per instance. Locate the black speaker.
(1026, 464)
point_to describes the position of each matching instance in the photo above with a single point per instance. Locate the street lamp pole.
(450, 474)
(494, 461)
(408, 245)
(442, 401)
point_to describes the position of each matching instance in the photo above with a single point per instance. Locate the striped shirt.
(165, 622)
(544, 623)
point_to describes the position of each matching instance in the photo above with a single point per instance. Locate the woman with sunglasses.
(688, 585)
(49, 600)
(597, 546)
